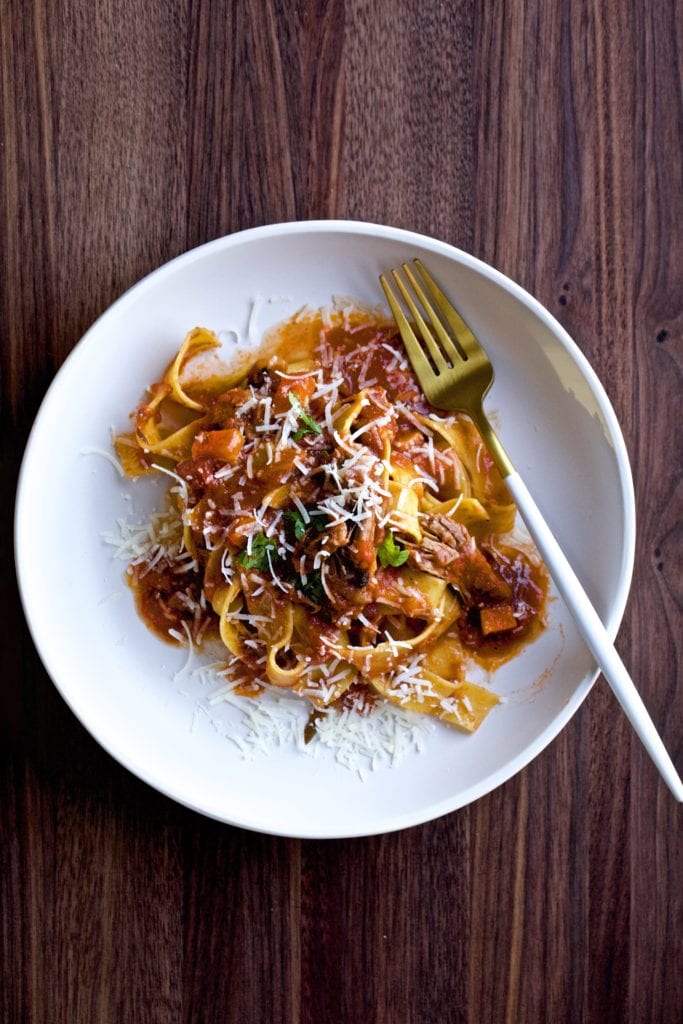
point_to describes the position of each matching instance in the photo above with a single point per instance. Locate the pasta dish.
(339, 536)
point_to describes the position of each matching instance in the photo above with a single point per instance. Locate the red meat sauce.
(168, 600)
(366, 354)
(527, 584)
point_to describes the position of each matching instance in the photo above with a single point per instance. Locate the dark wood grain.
(544, 137)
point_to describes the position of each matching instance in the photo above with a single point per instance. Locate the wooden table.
(542, 136)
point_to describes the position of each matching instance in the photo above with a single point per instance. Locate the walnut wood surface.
(543, 136)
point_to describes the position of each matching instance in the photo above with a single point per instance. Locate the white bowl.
(554, 418)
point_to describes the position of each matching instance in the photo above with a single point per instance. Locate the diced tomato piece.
(218, 444)
(498, 619)
(302, 387)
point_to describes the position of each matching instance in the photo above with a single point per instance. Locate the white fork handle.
(593, 632)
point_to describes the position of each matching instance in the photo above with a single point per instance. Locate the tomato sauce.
(367, 355)
(167, 600)
(528, 583)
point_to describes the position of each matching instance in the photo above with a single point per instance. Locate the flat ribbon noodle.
(197, 340)
(277, 675)
(320, 693)
(177, 444)
(222, 602)
(463, 705)
(468, 511)
(489, 486)
(130, 456)
(349, 414)
(387, 654)
(405, 501)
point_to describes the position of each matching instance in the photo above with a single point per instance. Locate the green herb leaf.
(391, 553)
(309, 426)
(299, 526)
(319, 523)
(297, 523)
(313, 587)
(258, 559)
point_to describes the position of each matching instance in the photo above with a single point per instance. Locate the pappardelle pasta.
(341, 537)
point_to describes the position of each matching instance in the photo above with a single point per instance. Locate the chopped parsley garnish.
(313, 587)
(391, 553)
(299, 524)
(258, 559)
(296, 520)
(308, 424)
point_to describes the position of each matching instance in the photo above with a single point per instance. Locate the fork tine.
(464, 336)
(427, 336)
(453, 353)
(412, 345)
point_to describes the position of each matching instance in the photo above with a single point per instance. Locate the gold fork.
(455, 374)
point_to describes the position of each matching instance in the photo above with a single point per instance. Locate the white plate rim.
(618, 604)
